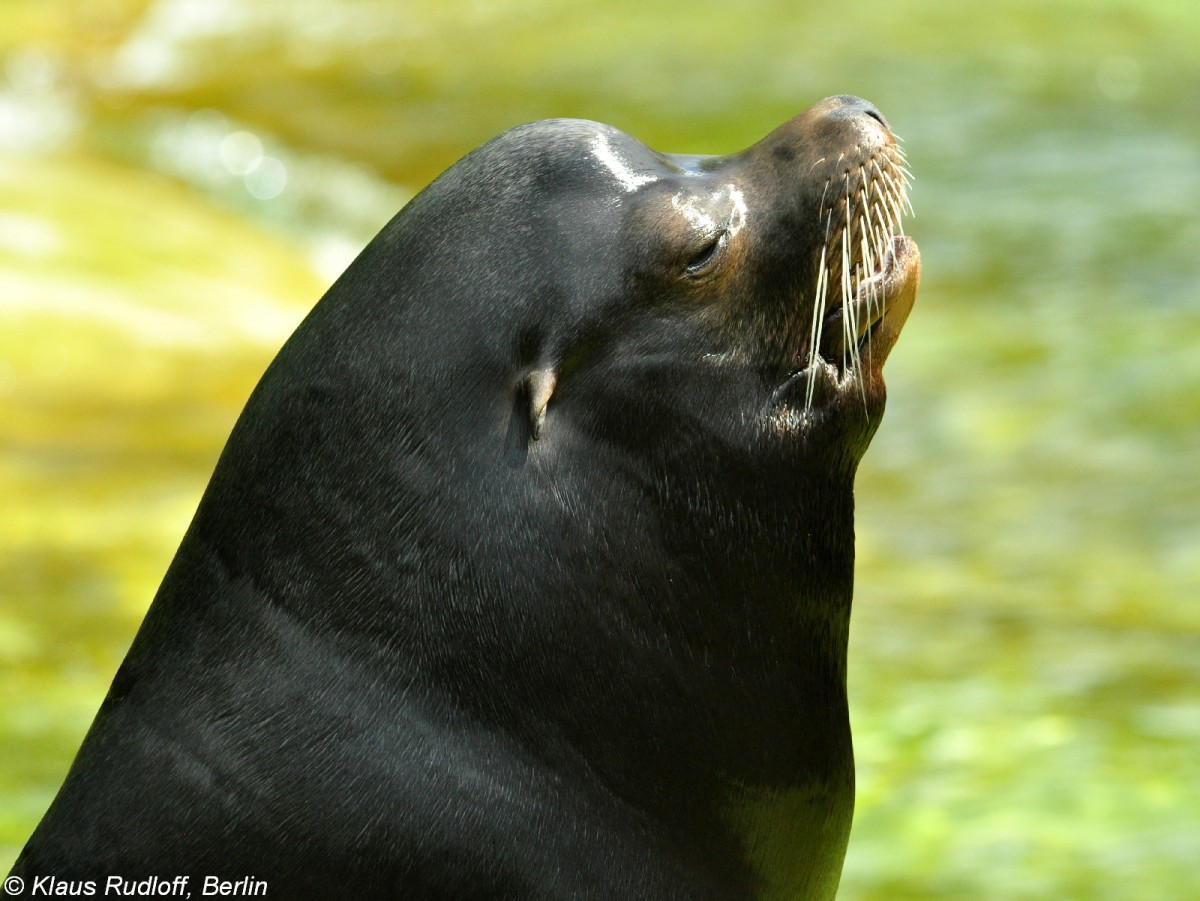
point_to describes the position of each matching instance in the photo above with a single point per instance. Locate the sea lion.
(526, 571)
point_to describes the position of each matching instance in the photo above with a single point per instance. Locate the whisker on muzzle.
(860, 230)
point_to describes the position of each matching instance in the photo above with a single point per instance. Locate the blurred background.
(180, 180)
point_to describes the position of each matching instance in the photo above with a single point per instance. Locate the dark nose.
(846, 106)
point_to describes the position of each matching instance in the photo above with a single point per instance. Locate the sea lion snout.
(831, 131)
(847, 106)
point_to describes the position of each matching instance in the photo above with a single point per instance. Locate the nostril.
(846, 106)
(877, 116)
(871, 111)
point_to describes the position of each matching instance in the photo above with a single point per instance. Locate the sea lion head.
(758, 293)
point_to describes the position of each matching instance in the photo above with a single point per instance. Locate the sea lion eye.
(705, 256)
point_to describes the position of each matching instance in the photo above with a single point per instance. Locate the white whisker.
(849, 313)
(818, 324)
(860, 231)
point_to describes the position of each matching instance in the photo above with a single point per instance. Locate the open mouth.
(868, 271)
(866, 325)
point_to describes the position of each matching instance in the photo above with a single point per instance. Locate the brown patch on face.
(694, 235)
(788, 252)
(833, 182)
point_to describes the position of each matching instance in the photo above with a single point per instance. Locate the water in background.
(180, 179)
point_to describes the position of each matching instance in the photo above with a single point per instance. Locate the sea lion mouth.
(867, 261)
(859, 328)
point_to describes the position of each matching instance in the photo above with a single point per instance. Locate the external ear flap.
(539, 385)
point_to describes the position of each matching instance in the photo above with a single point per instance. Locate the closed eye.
(707, 254)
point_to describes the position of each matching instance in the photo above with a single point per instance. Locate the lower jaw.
(882, 304)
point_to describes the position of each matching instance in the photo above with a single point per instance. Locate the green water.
(180, 179)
